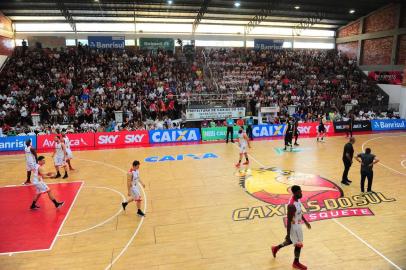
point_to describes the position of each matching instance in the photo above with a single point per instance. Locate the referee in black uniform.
(348, 154)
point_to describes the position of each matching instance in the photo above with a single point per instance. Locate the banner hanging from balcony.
(386, 77)
(106, 42)
(153, 44)
(263, 44)
(214, 113)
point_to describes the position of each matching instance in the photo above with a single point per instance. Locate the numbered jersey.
(135, 178)
(297, 218)
(59, 150)
(242, 140)
(67, 142)
(29, 157)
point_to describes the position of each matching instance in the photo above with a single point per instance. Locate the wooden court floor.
(200, 217)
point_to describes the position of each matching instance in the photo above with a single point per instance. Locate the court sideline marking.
(346, 228)
(139, 224)
(380, 163)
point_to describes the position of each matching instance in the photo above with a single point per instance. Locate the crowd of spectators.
(317, 82)
(80, 88)
(83, 86)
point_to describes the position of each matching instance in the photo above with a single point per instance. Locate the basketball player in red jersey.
(294, 227)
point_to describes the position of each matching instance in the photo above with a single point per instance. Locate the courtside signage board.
(214, 113)
(174, 135)
(358, 125)
(311, 128)
(218, 133)
(106, 42)
(77, 140)
(153, 44)
(259, 131)
(16, 143)
(134, 138)
(388, 124)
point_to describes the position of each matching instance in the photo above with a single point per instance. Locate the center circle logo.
(272, 185)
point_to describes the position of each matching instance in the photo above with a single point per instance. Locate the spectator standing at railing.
(230, 125)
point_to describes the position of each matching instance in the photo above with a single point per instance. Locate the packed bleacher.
(79, 89)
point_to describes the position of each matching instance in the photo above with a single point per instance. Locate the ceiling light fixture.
(170, 2)
(297, 7)
(237, 4)
(352, 11)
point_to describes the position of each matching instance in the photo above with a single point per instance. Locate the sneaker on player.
(124, 205)
(59, 204)
(246, 163)
(275, 250)
(34, 207)
(26, 183)
(237, 165)
(298, 265)
(140, 213)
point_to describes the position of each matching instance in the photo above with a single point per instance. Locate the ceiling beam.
(65, 12)
(261, 16)
(200, 14)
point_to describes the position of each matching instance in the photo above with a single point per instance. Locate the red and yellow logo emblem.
(272, 185)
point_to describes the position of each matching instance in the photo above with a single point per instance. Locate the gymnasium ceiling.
(283, 12)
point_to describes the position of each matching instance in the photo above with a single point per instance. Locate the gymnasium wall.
(378, 38)
(6, 39)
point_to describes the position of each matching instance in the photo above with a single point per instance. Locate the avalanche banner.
(386, 77)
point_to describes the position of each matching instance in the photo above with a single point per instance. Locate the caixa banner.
(311, 128)
(122, 138)
(77, 140)
(343, 126)
(266, 130)
(388, 124)
(16, 143)
(174, 135)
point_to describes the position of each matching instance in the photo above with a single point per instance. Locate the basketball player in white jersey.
(244, 143)
(59, 157)
(30, 160)
(133, 185)
(69, 154)
(294, 227)
(40, 186)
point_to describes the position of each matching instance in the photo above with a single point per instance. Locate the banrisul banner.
(362, 125)
(153, 44)
(388, 124)
(217, 133)
(106, 42)
(214, 113)
(259, 131)
(263, 44)
(16, 143)
(174, 135)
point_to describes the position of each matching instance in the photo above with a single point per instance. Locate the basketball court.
(202, 213)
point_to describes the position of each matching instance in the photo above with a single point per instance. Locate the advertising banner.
(214, 113)
(139, 137)
(174, 135)
(362, 125)
(16, 143)
(77, 140)
(106, 42)
(386, 77)
(259, 131)
(311, 128)
(263, 44)
(153, 44)
(388, 124)
(217, 133)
